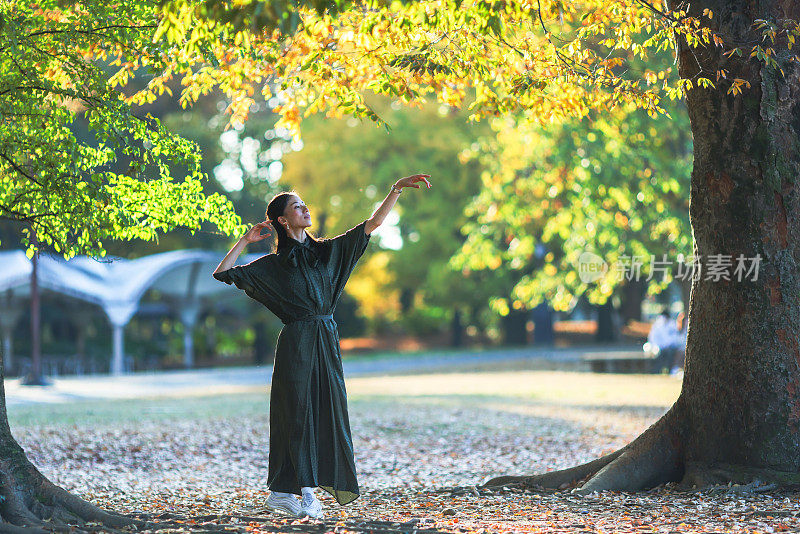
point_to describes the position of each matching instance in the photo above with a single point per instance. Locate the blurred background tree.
(615, 184)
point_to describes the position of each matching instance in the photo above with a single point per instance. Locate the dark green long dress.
(310, 443)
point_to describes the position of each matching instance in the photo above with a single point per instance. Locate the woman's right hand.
(253, 235)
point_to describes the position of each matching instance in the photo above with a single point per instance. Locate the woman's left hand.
(411, 181)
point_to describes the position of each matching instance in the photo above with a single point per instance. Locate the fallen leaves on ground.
(419, 460)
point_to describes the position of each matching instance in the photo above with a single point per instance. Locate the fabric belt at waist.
(310, 318)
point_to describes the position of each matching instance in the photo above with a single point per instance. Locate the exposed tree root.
(651, 459)
(31, 503)
(700, 476)
(8, 528)
(556, 479)
(13, 508)
(86, 511)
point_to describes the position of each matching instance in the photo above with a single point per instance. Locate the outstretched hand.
(411, 181)
(254, 235)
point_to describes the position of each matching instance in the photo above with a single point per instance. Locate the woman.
(310, 444)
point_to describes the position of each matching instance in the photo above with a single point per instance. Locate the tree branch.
(19, 169)
(92, 31)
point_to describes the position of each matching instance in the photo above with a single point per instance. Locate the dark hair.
(275, 209)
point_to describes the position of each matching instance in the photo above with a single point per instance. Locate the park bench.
(620, 362)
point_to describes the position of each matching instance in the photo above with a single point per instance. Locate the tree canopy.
(614, 184)
(131, 177)
(546, 60)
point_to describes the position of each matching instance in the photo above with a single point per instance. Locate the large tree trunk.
(28, 499)
(607, 330)
(741, 395)
(633, 293)
(457, 329)
(514, 326)
(738, 415)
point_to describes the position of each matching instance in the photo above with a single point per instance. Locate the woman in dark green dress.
(310, 444)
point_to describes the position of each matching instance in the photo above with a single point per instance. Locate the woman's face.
(296, 214)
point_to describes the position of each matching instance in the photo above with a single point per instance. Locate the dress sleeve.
(261, 281)
(345, 251)
(242, 276)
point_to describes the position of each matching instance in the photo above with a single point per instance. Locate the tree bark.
(738, 415)
(457, 329)
(514, 327)
(406, 299)
(260, 351)
(633, 293)
(741, 390)
(34, 378)
(543, 331)
(28, 499)
(606, 328)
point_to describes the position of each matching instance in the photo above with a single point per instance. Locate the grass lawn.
(546, 387)
(514, 386)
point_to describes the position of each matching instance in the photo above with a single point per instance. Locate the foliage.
(243, 162)
(614, 184)
(553, 59)
(550, 59)
(374, 287)
(125, 181)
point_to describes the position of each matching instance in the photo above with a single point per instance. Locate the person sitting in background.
(662, 340)
(679, 343)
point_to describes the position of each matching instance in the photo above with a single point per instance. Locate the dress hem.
(333, 492)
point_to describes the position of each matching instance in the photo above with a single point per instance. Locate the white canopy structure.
(117, 286)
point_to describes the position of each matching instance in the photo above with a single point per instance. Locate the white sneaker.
(284, 503)
(311, 506)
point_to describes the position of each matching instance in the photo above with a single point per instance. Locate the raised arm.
(252, 235)
(388, 203)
